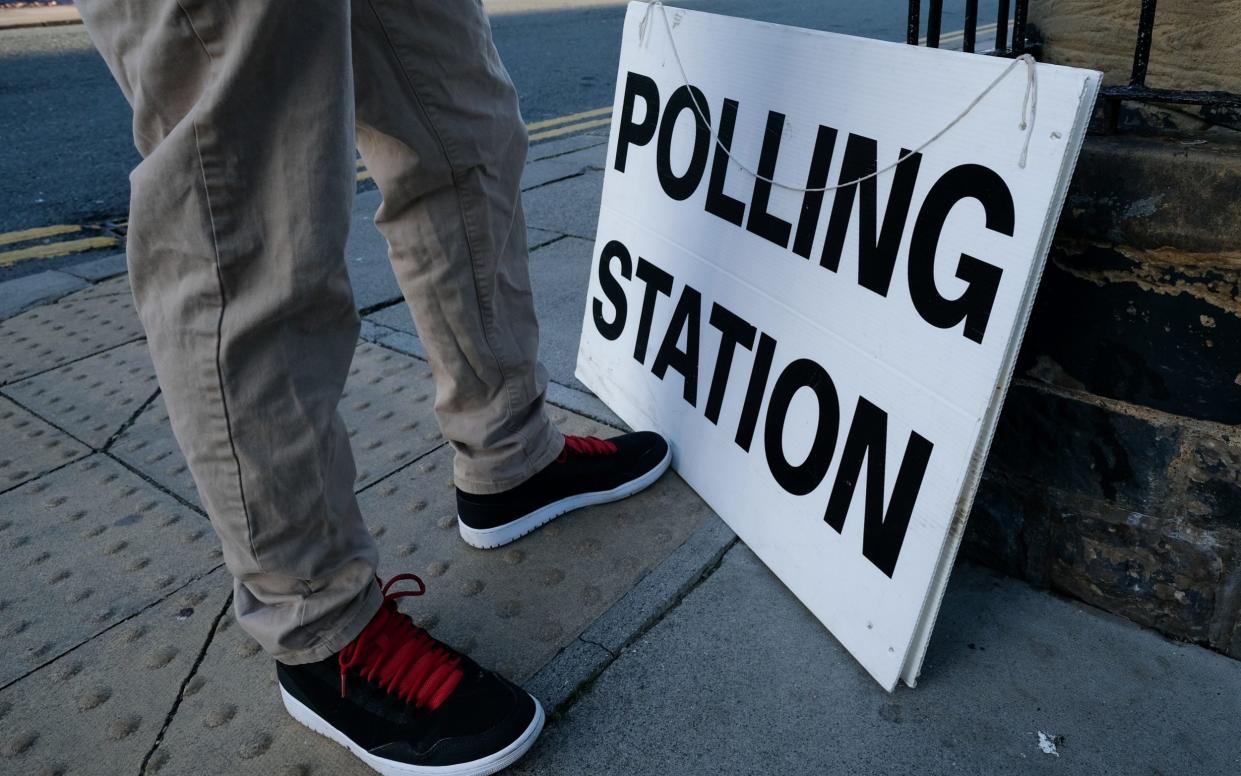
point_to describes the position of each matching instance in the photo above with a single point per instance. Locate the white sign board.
(828, 365)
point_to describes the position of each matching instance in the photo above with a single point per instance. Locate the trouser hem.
(353, 620)
(548, 451)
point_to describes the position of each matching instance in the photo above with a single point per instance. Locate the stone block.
(1149, 193)
(1194, 46)
(1164, 573)
(1083, 447)
(1205, 481)
(1146, 330)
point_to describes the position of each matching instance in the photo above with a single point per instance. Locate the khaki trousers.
(247, 113)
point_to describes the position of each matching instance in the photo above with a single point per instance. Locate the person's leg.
(440, 131)
(244, 116)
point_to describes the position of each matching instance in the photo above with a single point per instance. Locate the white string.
(1029, 110)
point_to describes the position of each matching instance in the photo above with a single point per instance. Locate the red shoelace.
(399, 656)
(585, 446)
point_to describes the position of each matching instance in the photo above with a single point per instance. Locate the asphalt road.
(65, 144)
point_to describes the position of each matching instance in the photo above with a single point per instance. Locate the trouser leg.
(244, 116)
(440, 130)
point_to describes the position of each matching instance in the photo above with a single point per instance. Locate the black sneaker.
(588, 471)
(405, 704)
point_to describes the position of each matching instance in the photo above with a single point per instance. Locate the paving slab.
(79, 325)
(548, 170)
(30, 446)
(544, 171)
(559, 274)
(149, 446)
(547, 149)
(590, 157)
(388, 407)
(740, 678)
(96, 270)
(537, 238)
(33, 290)
(99, 709)
(231, 721)
(85, 547)
(569, 206)
(514, 608)
(92, 398)
(114, 286)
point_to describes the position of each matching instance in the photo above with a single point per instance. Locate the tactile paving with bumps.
(388, 407)
(92, 398)
(29, 447)
(233, 722)
(511, 609)
(149, 446)
(83, 548)
(81, 324)
(515, 607)
(99, 709)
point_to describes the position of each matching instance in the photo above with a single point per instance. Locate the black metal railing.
(1022, 42)
(969, 35)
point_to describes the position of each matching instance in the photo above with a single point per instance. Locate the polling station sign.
(828, 361)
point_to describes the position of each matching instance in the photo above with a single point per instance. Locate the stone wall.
(1115, 474)
(1196, 44)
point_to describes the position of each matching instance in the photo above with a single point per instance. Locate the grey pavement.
(33, 290)
(659, 642)
(741, 679)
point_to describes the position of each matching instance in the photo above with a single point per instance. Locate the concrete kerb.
(638, 610)
(21, 294)
(561, 681)
(99, 269)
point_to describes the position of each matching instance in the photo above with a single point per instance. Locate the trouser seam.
(219, 329)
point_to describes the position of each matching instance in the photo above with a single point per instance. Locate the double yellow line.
(959, 35)
(546, 129)
(49, 250)
(574, 122)
(539, 130)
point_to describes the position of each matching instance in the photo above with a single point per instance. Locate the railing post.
(1001, 25)
(971, 26)
(934, 17)
(1142, 54)
(911, 35)
(1019, 26)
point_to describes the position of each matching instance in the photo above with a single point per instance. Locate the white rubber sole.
(490, 538)
(481, 767)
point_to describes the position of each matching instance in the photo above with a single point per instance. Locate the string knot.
(1029, 105)
(646, 18)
